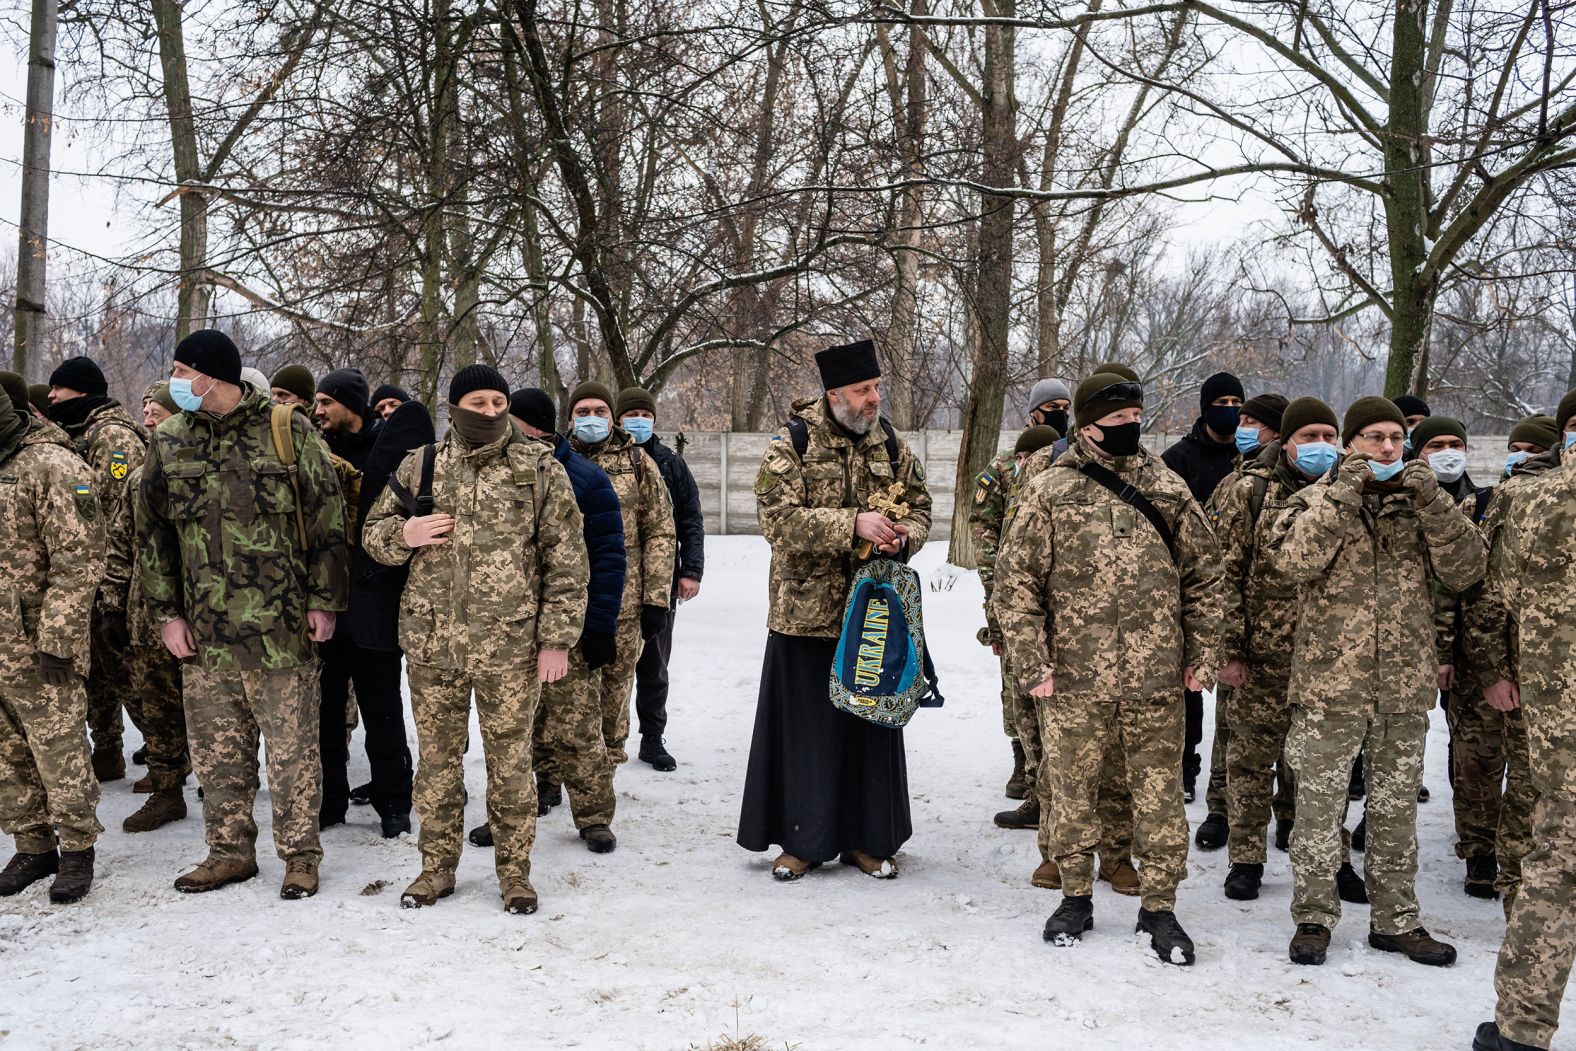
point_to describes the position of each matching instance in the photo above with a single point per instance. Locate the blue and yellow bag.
(882, 671)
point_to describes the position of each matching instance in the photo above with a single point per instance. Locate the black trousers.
(651, 680)
(376, 677)
(1193, 705)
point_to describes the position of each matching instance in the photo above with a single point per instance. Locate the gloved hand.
(1420, 479)
(598, 648)
(652, 620)
(52, 670)
(112, 625)
(1354, 472)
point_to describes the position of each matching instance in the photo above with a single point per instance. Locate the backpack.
(419, 503)
(882, 670)
(799, 433)
(349, 477)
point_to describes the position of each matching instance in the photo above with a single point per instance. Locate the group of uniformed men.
(1330, 578)
(229, 569)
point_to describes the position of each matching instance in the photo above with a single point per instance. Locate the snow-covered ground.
(681, 937)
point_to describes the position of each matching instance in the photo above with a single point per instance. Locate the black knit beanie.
(388, 390)
(534, 406)
(80, 374)
(472, 378)
(211, 353)
(349, 388)
(1219, 385)
(1412, 405)
(1268, 409)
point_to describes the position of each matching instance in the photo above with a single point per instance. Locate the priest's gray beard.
(851, 421)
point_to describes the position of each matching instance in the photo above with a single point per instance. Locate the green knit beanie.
(592, 389)
(1116, 368)
(635, 398)
(1104, 393)
(1434, 427)
(1035, 438)
(298, 380)
(1365, 412)
(1538, 430)
(1567, 409)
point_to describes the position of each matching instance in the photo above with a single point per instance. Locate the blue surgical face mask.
(591, 429)
(1222, 419)
(1385, 471)
(181, 394)
(1570, 439)
(1315, 458)
(1517, 457)
(1247, 440)
(638, 428)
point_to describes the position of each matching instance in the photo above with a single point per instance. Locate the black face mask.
(1120, 439)
(1056, 418)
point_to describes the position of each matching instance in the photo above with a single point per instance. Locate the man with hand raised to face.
(1363, 546)
(1108, 596)
(495, 598)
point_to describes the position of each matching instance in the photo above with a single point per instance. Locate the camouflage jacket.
(114, 447)
(1364, 564)
(1088, 593)
(1535, 578)
(651, 543)
(807, 508)
(511, 580)
(992, 489)
(51, 554)
(121, 588)
(222, 547)
(1261, 604)
(1488, 631)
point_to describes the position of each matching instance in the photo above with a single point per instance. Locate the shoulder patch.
(87, 506)
(118, 466)
(919, 471)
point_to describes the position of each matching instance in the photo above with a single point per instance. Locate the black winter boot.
(481, 835)
(394, 825)
(361, 795)
(1025, 815)
(1242, 882)
(1351, 887)
(653, 752)
(1017, 784)
(548, 795)
(1212, 834)
(1489, 1038)
(599, 839)
(1360, 835)
(75, 879)
(1072, 917)
(1283, 827)
(1481, 871)
(1166, 936)
(24, 870)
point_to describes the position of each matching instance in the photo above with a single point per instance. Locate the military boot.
(1351, 887)
(1242, 882)
(75, 879)
(1166, 936)
(1122, 877)
(395, 825)
(1017, 784)
(140, 756)
(481, 835)
(24, 870)
(144, 784)
(1310, 944)
(1360, 835)
(519, 898)
(160, 809)
(869, 864)
(548, 795)
(1026, 815)
(1047, 876)
(109, 764)
(427, 889)
(599, 839)
(1489, 1038)
(1072, 917)
(1481, 872)
(361, 795)
(1416, 945)
(655, 753)
(1283, 827)
(788, 869)
(214, 873)
(1211, 835)
(300, 877)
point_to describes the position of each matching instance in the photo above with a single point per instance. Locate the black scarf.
(72, 416)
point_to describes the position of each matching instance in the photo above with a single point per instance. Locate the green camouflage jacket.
(1365, 563)
(222, 548)
(651, 543)
(807, 508)
(993, 487)
(1534, 576)
(1088, 593)
(51, 554)
(511, 580)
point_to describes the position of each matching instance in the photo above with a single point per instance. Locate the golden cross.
(888, 501)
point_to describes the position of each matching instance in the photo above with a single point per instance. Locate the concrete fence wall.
(725, 464)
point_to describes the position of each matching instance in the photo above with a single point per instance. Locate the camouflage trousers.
(440, 702)
(567, 745)
(1513, 838)
(1080, 736)
(109, 683)
(154, 703)
(1260, 718)
(225, 716)
(47, 787)
(1477, 740)
(1540, 940)
(1321, 747)
(1009, 706)
(1026, 731)
(618, 680)
(1115, 809)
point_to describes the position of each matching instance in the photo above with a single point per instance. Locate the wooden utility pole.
(33, 231)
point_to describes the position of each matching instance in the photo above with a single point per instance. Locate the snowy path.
(666, 942)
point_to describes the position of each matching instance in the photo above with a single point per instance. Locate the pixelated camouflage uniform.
(1492, 652)
(992, 490)
(475, 613)
(222, 550)
(153, 689)
(114, 447)
(1534, 577)
(1088, 594)
(51, 558)
(651, 550)
(1364, 673)
(1258, 713)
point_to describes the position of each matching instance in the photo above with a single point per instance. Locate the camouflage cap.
(160, 392)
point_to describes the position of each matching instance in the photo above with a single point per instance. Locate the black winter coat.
(1202, 462)
(604, 533)
(373, 616)
(687, 519)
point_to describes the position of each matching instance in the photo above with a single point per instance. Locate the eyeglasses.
(1120, 392)
(1375, 438)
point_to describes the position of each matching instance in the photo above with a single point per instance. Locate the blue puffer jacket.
(604, 532)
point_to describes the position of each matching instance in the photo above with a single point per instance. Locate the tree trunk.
(1406, 205)
(193, 290)
(911, 121)
(982, 411)
(33, 231)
